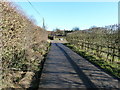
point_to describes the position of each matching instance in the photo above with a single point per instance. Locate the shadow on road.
(87, 82)
(78, 73)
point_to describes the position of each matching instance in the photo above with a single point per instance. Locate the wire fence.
(103, 42)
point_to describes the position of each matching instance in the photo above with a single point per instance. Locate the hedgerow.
(22, 45)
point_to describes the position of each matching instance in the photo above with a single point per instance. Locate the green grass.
(111, 68)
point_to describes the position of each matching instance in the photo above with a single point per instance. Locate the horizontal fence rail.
(102, 42)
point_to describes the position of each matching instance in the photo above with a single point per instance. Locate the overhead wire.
(35, 9)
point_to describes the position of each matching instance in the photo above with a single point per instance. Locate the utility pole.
(43, 23)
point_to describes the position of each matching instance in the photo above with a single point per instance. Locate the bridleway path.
(64, 68)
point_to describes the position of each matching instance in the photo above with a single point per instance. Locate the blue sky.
(66, 15)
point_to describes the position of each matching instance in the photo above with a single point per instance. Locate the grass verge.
(36, 78)
(109, 68)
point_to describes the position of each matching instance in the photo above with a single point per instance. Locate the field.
(101, 45)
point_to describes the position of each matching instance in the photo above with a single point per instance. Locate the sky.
(67, 15)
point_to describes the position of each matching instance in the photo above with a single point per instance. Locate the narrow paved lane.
(64, 68)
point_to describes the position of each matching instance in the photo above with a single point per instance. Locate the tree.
(93, 27)
(76, 29)
(59, 32)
